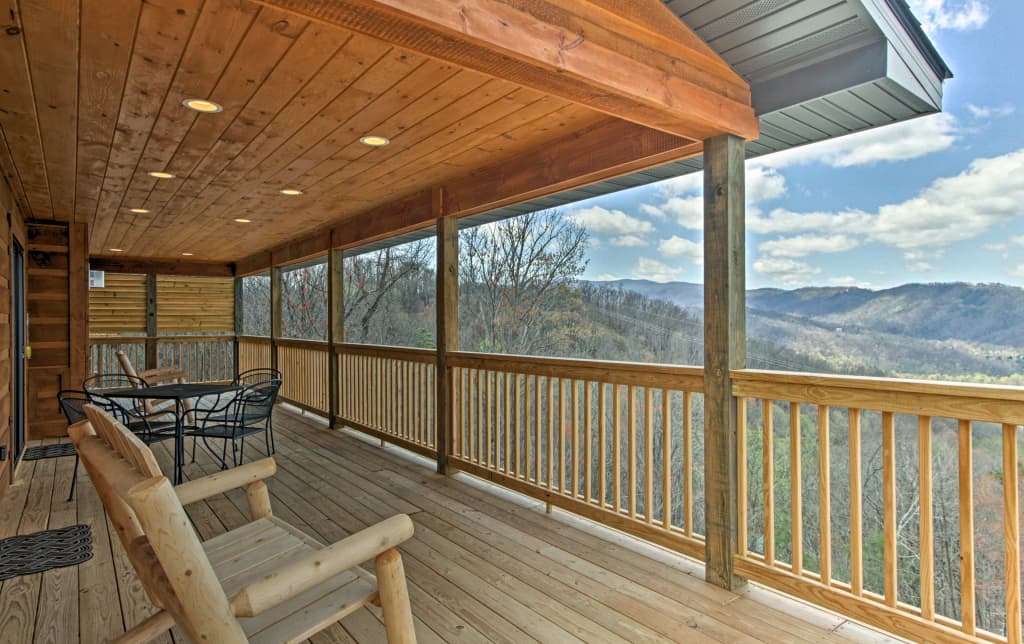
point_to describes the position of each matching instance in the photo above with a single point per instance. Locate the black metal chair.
(130, 412)
(249, 412)
(257, 376)
(73, 403)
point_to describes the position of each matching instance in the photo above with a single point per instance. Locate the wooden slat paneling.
(119, 307)
(195, 304)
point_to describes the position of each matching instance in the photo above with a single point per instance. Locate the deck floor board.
(485, 565)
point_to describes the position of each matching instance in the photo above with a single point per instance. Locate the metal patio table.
(179, 393)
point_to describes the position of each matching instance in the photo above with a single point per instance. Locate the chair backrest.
(154, 529)
(256, 402)
(257, 376)
(104, 382)
(73, 403)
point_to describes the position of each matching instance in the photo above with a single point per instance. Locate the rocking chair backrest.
(143, 506)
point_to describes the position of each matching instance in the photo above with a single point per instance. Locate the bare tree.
(516, 279)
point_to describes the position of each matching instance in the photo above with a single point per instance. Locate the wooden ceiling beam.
(632, 72)
(160, 267)
(606, 150)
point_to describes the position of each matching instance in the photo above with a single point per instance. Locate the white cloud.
(954, 15)
(1018, 272)
(680, 247)
(628, 241)
(687, 211)
(611, 222)
(986, 112)
(653, 211)
(802, 245)
(898, 142)
(989, 192)
(652, 269)
(919, 267)
(788, 272)
(606, 277)
(848, 280)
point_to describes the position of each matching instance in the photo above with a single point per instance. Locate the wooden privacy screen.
(119, 307)
(195, 304)
(184, 305)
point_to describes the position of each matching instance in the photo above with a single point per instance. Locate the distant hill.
(951, 329)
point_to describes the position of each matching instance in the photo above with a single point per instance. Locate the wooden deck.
(485, 564)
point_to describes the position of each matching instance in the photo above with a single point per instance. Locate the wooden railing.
(208, 358)
(254, 352)
(304, 367)
(611, 441)
(389, 392)
(202, 359)
(927, 492)
(103, 350)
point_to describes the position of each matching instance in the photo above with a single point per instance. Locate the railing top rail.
(264, 339)
(642, 374)
(988, 403)
(387, 351)
(299, 342)
(129, 339)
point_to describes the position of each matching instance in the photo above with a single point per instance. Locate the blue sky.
(936, 199)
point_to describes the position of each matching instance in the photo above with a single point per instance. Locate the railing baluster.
(648, 454)
(631, 443)
(538, 415)
(741, 476)
(617, 448)
(1011, 532)
(924, 464)
(688, 462)
(824, 496)
(769, 482)
(796, 488)
(602, 448)
(966, 471)
(587, 447)
(506, 420)
(549, 397)
(856, 542)
(563, 395)
(575, 444)
(889, 505)
(666, 458)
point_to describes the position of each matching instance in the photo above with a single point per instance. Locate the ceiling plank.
(270, 38)
(163, 31)
(108, 34)
(496, 38)
(51, 46)
(18, 115)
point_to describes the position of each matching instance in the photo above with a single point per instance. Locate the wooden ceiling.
(91, 102)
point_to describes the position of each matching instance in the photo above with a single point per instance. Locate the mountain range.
(939, 329)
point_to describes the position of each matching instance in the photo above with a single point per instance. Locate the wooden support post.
(239, 316)
(724, 348)
(275, 313)
(78, 301)
(151, 321)
(335, 328)
(447, 329)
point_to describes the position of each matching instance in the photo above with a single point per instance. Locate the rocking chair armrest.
(317, 567)
(225, 481)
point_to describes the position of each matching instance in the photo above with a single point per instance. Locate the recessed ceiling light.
(138, 211)
(290, 191)
(187, 254)
(202, 105)
(116, 250)
(375, 141)
(243, 220)
(156, 174)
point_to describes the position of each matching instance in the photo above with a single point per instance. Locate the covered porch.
(220, 141)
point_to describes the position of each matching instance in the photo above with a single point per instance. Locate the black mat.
(32, 553)
(48, 451)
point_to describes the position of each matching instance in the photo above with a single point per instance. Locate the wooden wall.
(57, 267)
(10, 223)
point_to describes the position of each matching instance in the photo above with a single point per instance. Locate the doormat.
(37, 452)
(33, 553)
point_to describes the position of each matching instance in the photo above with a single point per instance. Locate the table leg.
(179, 441)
